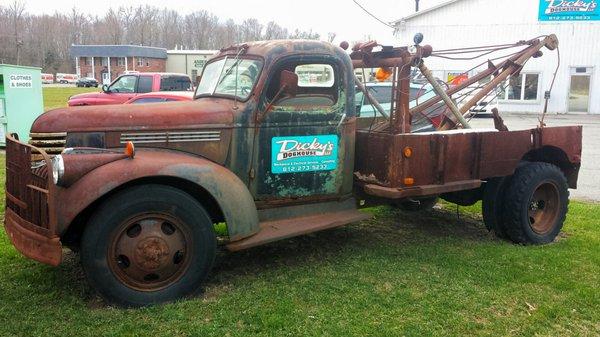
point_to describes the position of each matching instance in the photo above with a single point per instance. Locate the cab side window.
(145, 84)
(318, 86)
(175, 83)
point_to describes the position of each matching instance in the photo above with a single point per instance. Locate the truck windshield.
(220, 77)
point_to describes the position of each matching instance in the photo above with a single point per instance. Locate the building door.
(105, 78)
(579, 89)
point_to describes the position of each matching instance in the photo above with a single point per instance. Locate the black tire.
(109, 273)
(417, 204)
(536, 203)
(492, 205)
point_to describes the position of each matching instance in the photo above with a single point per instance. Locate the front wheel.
(148, 244)
(535, 203)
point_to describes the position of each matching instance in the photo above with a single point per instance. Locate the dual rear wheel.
(528, 207)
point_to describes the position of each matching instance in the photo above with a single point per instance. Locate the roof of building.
(191, 52)
(425, 11)
(117, 51)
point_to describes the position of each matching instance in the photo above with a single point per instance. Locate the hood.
(135, 117)
(88, 95)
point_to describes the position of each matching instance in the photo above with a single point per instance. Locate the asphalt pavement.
(589, 174)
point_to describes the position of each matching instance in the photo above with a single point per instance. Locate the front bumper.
(30, 241)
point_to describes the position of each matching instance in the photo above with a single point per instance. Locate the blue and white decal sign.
(304, 153)
(569, 10)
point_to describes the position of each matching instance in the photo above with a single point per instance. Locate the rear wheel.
(148, 244)
(536, 203)
(417, 204)
(492, 205)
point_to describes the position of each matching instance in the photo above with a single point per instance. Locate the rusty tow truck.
(271, 146)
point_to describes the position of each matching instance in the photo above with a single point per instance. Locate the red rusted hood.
(177, 115)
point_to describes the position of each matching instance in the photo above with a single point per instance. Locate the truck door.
(300, 149)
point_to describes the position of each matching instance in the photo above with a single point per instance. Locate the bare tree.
(331, 37)
(112, 27)
(273, 31)
(251, 30)
(15, 12)
(45, 40)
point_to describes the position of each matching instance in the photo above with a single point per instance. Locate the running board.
(282, 229)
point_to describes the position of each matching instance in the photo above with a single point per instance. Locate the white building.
(189, 62)
(464, 23)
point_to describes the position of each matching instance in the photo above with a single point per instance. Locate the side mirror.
(288, 83)
(105, 88)
(288, 86)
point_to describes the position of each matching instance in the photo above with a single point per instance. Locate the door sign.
(304, 153)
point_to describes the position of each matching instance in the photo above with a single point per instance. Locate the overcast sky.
(343, 17)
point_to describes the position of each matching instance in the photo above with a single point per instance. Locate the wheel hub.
(544, 207)
(150, 251)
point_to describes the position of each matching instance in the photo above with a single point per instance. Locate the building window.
(105, 61)
(121, 61)
(140, 61)
(524, 87)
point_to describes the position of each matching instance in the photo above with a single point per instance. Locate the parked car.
(162, 96)
(87, 82)
(382, 92)
(66, 78)
(128, 86)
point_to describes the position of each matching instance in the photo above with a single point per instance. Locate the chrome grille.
(171, 137)
(197, 136)
(51, 142)
(144, 137)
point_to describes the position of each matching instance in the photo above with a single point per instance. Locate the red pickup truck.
(127, 86)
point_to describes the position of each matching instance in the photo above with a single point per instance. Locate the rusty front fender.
(231, 195)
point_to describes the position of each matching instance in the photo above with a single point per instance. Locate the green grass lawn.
(57, 97)
(397, 274)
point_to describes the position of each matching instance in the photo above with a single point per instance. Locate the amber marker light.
(409, 181)
(408, 152)
(383, 74)
(130, 149)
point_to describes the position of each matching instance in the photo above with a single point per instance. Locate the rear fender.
(229, 192)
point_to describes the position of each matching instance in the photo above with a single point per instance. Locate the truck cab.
(129, 85)
(270, 147)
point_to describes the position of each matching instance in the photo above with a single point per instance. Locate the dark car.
(429, 120)
(87, 82)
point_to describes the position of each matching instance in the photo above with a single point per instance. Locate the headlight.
(58, 168)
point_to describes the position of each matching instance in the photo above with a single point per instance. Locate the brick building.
(107, 62)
